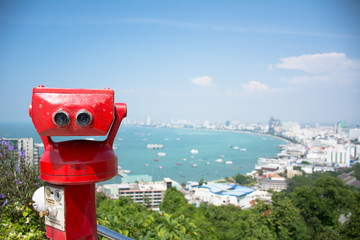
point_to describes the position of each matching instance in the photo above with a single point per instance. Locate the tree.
(241, 179)
(286, 219)
(322, 203)
(174, 201)
(201, 182)
(351, 228)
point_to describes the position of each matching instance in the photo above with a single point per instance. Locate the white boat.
(160, 167)
(207, 163)
(219, 160)
(228, 162)
(154, 146)
(236, 147)
(194, 151)
(242, 149)
(161, 154)
(194, 165)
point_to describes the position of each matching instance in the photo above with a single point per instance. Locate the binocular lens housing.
(61, 118)
(83, 118)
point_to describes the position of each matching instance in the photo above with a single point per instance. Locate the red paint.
(77, 164)
(80, 217)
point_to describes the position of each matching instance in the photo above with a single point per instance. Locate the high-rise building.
(227, 123)
(274, 125)
(148, 121)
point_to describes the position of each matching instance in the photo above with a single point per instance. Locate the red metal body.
(80, 216)
(77, 164)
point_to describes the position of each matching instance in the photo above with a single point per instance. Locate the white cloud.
(318, 63)
(258, 87)
(204, 81)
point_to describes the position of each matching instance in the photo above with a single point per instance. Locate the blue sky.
(195, 60)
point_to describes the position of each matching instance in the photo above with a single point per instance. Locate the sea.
(187, 154)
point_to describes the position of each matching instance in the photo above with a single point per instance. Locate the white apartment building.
(275, 183)
(338, 157)
(151, 193)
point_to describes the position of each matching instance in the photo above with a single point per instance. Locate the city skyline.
(218, 60)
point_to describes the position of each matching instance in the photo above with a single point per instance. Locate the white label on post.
(55, 203)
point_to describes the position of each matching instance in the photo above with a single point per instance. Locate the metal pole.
(110, 234)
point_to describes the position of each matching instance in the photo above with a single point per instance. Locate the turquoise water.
(132, 153)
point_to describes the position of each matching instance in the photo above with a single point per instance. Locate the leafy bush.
(18, 181)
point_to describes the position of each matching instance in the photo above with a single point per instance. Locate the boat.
(219, 160)
(194, 151)
(126, 171)
(207, 163)
(154, 146)
(161, 154)
(221, 156)
(160, 167)
(156, 159)
(243, 149)
(194, 165)
(184, 159)
(228, 162)
(146, 165)
(179, 163)
(236, 147)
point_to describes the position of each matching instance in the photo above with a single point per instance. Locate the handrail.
(110, 234)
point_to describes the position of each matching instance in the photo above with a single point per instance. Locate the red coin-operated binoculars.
(70, 169)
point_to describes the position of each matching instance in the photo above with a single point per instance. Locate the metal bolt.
(44, 213)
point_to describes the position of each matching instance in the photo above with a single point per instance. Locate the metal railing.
(110, 234)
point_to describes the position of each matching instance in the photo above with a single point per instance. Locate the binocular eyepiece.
(62, 118)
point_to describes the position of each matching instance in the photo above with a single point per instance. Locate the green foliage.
(351, 228)
(356, 169)
(24, 227)
(311, 210)
(243, 180)
(135, 221)
(174, 202)
(18, 182)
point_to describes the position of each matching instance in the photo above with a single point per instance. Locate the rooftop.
(228, 189)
